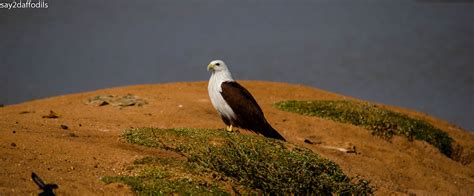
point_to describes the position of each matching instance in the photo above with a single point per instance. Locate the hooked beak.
(210, 67)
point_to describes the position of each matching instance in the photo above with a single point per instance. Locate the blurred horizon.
(412, 54)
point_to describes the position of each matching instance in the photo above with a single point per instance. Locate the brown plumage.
(248, 113)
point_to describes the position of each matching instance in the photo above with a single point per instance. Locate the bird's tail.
(269, 131)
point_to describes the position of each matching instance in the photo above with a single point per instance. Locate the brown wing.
(248, 113)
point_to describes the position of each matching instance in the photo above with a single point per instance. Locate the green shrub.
(381, 122)
(256, 163)
(154, 181)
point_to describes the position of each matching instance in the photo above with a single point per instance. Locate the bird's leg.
(229, 128)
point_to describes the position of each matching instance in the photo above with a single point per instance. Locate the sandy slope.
(76, 158)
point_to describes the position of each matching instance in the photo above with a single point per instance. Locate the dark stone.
(308, 141)
(72, 135)
(51, 114)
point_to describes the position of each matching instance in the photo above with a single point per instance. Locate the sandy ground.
(77, 157)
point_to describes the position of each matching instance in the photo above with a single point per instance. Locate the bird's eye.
(218, 64)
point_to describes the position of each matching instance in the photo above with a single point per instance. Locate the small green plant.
(249, 162)
(153, 181)
(381, 122)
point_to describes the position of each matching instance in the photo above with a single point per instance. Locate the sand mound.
(82, 144)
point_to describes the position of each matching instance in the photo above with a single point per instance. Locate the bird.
(235, 105)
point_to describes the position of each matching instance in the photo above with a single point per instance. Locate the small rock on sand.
(51, 114)
(116, 100)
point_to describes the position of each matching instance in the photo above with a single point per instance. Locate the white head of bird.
(217, 65)
(219, 69)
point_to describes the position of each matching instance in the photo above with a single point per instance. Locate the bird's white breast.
(214, 89)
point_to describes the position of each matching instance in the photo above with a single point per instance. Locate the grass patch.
(153, 181)
(381, 122)
(247, 163)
